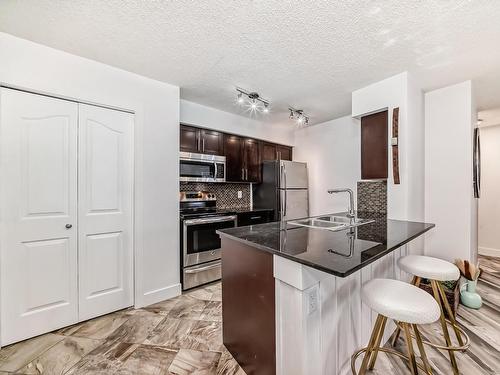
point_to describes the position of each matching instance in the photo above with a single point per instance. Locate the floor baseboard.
(488, 251)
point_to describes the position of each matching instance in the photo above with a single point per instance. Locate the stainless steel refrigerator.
(284, 188)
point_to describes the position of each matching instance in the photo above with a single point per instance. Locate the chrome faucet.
(351, 213)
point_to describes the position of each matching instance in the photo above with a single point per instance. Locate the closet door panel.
(39, 210)
(105, 211)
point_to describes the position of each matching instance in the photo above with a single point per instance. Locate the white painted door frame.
(137, 206)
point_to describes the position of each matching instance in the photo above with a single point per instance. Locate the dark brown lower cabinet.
(248, 307)
(374, 146)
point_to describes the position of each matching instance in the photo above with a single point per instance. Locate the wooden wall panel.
(249, 319)
(374, 146)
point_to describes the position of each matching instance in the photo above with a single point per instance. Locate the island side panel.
(248, 306)
(322, 341)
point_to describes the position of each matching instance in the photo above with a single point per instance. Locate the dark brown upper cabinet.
(201, 141)
(242, 159)
(284, 152)
(271, 151)
(233, 150)
(374, 146)
(251, 158)
(212, 142)
(189, 138)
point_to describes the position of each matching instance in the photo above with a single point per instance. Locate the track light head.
(255, 102)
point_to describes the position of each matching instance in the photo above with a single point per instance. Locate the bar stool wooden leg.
(371, 344)
(418, 339)
(453, 360)
(415, 281)
(411, 353)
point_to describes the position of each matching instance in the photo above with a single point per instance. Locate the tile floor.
(175, 337)
(183, 336)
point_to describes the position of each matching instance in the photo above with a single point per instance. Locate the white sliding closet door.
(38, 142)
(105, 190)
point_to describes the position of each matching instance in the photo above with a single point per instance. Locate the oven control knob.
(212, 253)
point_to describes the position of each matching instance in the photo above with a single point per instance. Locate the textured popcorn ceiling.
(308, 54)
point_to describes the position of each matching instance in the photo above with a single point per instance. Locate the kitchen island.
(292, 294)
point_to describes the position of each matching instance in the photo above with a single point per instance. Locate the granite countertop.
(336, 252)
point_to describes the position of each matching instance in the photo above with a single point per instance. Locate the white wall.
(489, 203)
(406, 200)
(208, 117)
(333, 155)
(35, 67)
(449, 201)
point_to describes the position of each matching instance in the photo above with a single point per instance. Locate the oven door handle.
(209, 220)
(201, 269)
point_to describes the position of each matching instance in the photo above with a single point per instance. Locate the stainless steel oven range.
(200, 244)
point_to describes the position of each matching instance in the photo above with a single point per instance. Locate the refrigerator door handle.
(286, 193)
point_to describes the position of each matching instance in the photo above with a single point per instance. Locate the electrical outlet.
(312, 300)
(240, 194)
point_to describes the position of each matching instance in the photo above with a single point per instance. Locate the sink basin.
(344, 219)
(312, 222)
(330, 222)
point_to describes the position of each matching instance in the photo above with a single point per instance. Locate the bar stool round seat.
(400, 301)
(436, 271)
(410, 307)
(429, 267)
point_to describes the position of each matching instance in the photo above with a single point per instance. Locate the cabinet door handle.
(203, 144)
(68, 226)
(199, 142)
(242, 174)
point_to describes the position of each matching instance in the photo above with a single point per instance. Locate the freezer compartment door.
(294, 204)
(293, 175)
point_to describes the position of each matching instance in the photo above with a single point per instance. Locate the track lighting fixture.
(299, 116)
(254, 101)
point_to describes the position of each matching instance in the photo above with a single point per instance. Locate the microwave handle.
(209, 220)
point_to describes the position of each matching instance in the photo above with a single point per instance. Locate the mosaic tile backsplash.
(227, 194)
(372, 196)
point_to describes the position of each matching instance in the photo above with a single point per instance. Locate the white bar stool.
(404, 303)
(437, 270)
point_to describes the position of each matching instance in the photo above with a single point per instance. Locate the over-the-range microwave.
(202, 167)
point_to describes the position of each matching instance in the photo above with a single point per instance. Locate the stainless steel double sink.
(330, 222)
